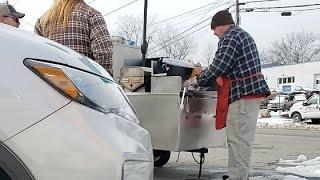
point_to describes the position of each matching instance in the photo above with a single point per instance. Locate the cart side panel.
(197, 127)
(159, 114)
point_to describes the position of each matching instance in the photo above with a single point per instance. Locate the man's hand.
(197, 70)
(191, 82)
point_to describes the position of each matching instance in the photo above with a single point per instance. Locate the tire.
(4, 175)
(296, 117)
(315, 121)
(160, 157)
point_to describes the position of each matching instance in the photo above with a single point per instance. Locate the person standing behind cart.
(9, 16)
(80, 27)
(241, 87)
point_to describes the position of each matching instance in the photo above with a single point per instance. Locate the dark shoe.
(225, 177)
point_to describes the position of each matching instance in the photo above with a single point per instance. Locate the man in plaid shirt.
(237, 69)
(84, 30)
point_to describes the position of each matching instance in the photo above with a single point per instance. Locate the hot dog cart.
(177, 119)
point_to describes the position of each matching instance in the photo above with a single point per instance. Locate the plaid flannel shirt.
(237, 57)
(86, 33)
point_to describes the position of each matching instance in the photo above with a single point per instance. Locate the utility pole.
(237, 12)
(144, 49)
(144, 46)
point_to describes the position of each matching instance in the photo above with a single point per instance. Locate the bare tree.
(131, 28)
(266, 57)
(209, 53)
(164, 39)
(171, 45)
(296, 48)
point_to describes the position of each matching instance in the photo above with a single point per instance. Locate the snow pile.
(293, 178)
(278, 177)
(274, 122)
(301, 166)
(300, 159)
(281, 120)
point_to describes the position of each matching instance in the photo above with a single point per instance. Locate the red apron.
(223, 88)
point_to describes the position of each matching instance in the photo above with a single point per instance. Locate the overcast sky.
(265, 27)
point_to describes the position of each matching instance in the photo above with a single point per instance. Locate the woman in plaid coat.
(78, 26)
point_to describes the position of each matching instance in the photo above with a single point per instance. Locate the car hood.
(25, 43)
(298, 103)
(276, 102)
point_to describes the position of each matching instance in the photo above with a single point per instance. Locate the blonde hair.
(59, 13)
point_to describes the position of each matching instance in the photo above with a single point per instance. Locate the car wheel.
(4, 175)
(296, 117)
(315, 121)
(160, 157)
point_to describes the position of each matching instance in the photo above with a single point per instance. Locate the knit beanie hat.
(221, 18)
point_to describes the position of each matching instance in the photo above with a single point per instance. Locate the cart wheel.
(160, 157)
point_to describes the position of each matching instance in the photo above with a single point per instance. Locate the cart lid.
(178, 63)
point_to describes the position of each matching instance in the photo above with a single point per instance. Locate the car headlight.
(57, 78)
(87, 88)
(137, 170)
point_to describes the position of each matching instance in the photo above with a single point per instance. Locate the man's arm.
(223, 61)
(101, 45)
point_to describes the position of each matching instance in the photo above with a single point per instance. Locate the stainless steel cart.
(176, 120)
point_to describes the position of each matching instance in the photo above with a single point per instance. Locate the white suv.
(64, 117)
(309, 109)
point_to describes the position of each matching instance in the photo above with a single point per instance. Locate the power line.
(16, 2)
(195, 25)
(259, 1)
(283, 7)
(248, 2)
(203, 14)
(91, 2)
(206, 25)
(121, 7)
(184, 19)
(190, 14)
(153, 52)
(184, 13)
(180, 33)
(210, 10)
(193, 16)
(291, 10)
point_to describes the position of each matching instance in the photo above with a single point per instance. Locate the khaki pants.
(241, 127)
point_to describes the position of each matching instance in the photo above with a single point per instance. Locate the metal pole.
(237, 12)
(144, 46)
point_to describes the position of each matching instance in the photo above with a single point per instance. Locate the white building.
(289, 77)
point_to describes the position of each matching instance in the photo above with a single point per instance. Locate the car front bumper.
(80, 143)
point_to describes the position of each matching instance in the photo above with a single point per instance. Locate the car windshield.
(313, 100)
(103, 92)
(300, 97)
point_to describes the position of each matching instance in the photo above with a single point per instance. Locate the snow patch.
(277, 177)
(280, 120)
(302, 166)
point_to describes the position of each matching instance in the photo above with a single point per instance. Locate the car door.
(312, 108)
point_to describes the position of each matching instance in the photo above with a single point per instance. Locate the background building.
(287, 78)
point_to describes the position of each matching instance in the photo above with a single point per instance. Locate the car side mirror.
(304, 104)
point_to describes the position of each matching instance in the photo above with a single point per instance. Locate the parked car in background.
(294, 98)
(312, 92)
(265, 101)
(277, 103)
(309, 109)
(64, 117)
(308, 91)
